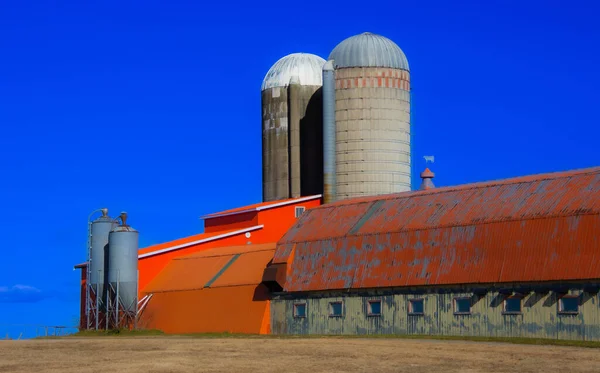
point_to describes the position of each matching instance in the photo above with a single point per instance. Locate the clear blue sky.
(154, 108)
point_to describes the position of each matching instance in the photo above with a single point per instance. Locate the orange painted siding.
(231, 222)
(236, 309)
(151, 266)
(205, 292)
(280, 219)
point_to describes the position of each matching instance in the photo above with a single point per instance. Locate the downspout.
(329, 179)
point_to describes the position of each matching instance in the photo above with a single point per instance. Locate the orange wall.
(276, 222)
(231, 222)
(282, 218)
(236, 309)
(150, 266)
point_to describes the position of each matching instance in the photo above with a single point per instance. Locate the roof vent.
(427, 175)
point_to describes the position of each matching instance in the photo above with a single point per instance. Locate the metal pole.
(97, 301)
(137, 284)
(117, 301)
(107, 303)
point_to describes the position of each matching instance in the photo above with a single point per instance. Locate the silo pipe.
(294, 136)
(329, 178)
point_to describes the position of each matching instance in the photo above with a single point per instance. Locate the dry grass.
(185, 354)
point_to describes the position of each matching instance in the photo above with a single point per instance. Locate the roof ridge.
(470, 186)
(199, 256)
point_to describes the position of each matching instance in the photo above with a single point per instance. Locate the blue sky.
(153, 107)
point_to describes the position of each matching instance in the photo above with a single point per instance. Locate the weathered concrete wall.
(275, 144)
(292, 142)
(539, 318)
(372, 117)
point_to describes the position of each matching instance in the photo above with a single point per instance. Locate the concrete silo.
(292, 127)
(372, 118)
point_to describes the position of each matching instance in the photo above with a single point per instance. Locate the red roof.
(534, 228)
(261, 206)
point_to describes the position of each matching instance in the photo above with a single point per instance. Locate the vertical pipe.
(107, 308)
(294, 136)
(88, 278)
(137, 289)
(329, 178)
(411, 139)
(117, 301)
(97, 302)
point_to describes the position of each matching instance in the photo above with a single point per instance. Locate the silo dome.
(368, 50)
(303, 66)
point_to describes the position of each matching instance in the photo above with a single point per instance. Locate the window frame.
(341, 303)
(454, 305)
(559, 305)
(296, 305)
(296, 209)
(505, 312)
(411, 312)
(370, 310)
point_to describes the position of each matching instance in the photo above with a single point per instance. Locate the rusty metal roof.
(534, 228)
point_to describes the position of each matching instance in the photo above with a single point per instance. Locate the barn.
(512, 258)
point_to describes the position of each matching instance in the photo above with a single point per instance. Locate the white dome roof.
(305, 66)
(368, 50)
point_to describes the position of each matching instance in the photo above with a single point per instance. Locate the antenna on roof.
(429, 158)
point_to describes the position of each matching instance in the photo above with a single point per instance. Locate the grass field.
(158, 353)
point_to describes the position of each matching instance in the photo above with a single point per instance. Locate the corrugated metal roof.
(535, 228)
(304, 66)
(369, 50)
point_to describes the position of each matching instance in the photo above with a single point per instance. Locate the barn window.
(300, 310)
(568, 304)
(335, 309)
(299, 211)
(374, 308)
(512, 305)
(416, 307)
(462, 306)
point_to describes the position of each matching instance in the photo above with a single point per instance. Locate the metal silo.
(99, 232)
(292, 127)
(372, 117)
(123, 268)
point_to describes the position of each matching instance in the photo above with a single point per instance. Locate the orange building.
(256, 224)
(205, 292)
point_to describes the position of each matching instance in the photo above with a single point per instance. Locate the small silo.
(292, 129)
(123, 265)
(100, 229)
(372, 117)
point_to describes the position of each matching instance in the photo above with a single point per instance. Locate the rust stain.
(521, 229)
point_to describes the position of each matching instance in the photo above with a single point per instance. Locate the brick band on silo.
(372, 131)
